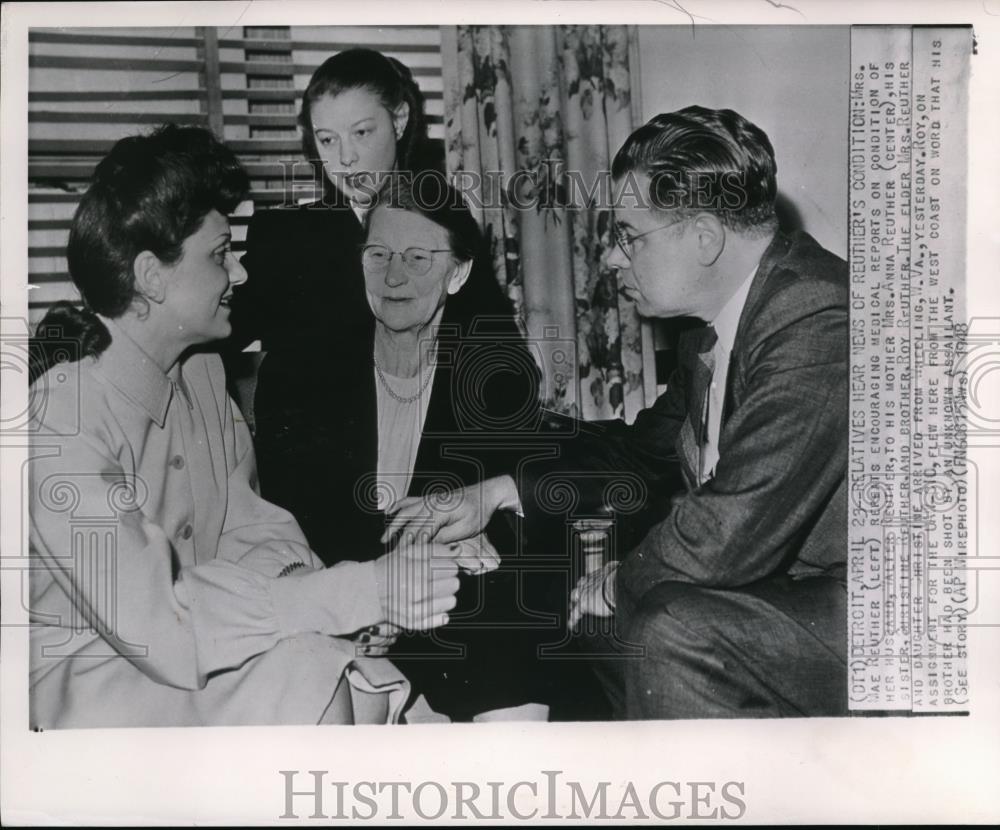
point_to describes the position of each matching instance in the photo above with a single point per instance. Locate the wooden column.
(213, 80)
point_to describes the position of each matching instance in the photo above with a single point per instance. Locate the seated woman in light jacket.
(164, 590)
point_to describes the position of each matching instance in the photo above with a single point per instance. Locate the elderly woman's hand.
(454, 515)
(476, 555)
(417, 582)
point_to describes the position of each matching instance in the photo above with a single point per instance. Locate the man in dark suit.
(736, 594)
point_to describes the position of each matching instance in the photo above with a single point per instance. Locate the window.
(90, 87)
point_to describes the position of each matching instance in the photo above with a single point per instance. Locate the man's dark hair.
(699, 159)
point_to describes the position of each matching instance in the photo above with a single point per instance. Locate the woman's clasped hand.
(417, 582)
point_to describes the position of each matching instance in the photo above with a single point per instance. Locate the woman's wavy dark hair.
(150, 193)
(385, 77)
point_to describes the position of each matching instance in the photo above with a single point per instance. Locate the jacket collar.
(134, 373)
(727, 321)
(771, 259)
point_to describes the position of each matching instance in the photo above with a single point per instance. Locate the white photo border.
(870, 770)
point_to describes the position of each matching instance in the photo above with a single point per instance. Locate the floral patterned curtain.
(533, 117)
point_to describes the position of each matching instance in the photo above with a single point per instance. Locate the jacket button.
(177, 462)
(188, 532)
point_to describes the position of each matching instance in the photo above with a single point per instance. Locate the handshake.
(434, 538)
(431, 540)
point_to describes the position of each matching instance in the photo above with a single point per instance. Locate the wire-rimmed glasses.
(624, 240)
(375, 258)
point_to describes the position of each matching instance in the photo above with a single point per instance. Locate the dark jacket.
(304, 280)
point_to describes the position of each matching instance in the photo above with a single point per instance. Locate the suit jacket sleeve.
(782, 454)
(608, 463)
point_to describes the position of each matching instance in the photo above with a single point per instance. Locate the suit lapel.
(772, 258)
(439, 424)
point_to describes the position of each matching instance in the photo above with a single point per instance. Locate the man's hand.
(417, 582)
(594, 594)
(455, 515)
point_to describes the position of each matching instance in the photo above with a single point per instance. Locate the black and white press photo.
(560, 391)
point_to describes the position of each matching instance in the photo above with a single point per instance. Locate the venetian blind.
(90, 87)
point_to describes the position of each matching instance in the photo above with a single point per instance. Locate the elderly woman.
(165, 590)
(362, 117)
(443, 393)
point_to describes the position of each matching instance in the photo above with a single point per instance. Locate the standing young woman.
(362, 117)
(336, 428)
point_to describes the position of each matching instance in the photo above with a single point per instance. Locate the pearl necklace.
(392, 392)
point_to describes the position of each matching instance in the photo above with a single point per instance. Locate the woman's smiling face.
(356, 139)
(199, 286)
(400, 299)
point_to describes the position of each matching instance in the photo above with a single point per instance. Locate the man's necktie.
(704, 368)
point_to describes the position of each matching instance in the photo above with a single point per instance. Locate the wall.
(790, 81)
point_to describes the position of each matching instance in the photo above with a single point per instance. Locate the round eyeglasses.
(416, 261)
(624, 240)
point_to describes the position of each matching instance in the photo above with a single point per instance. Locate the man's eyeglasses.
(416, 261)
(624, 240)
